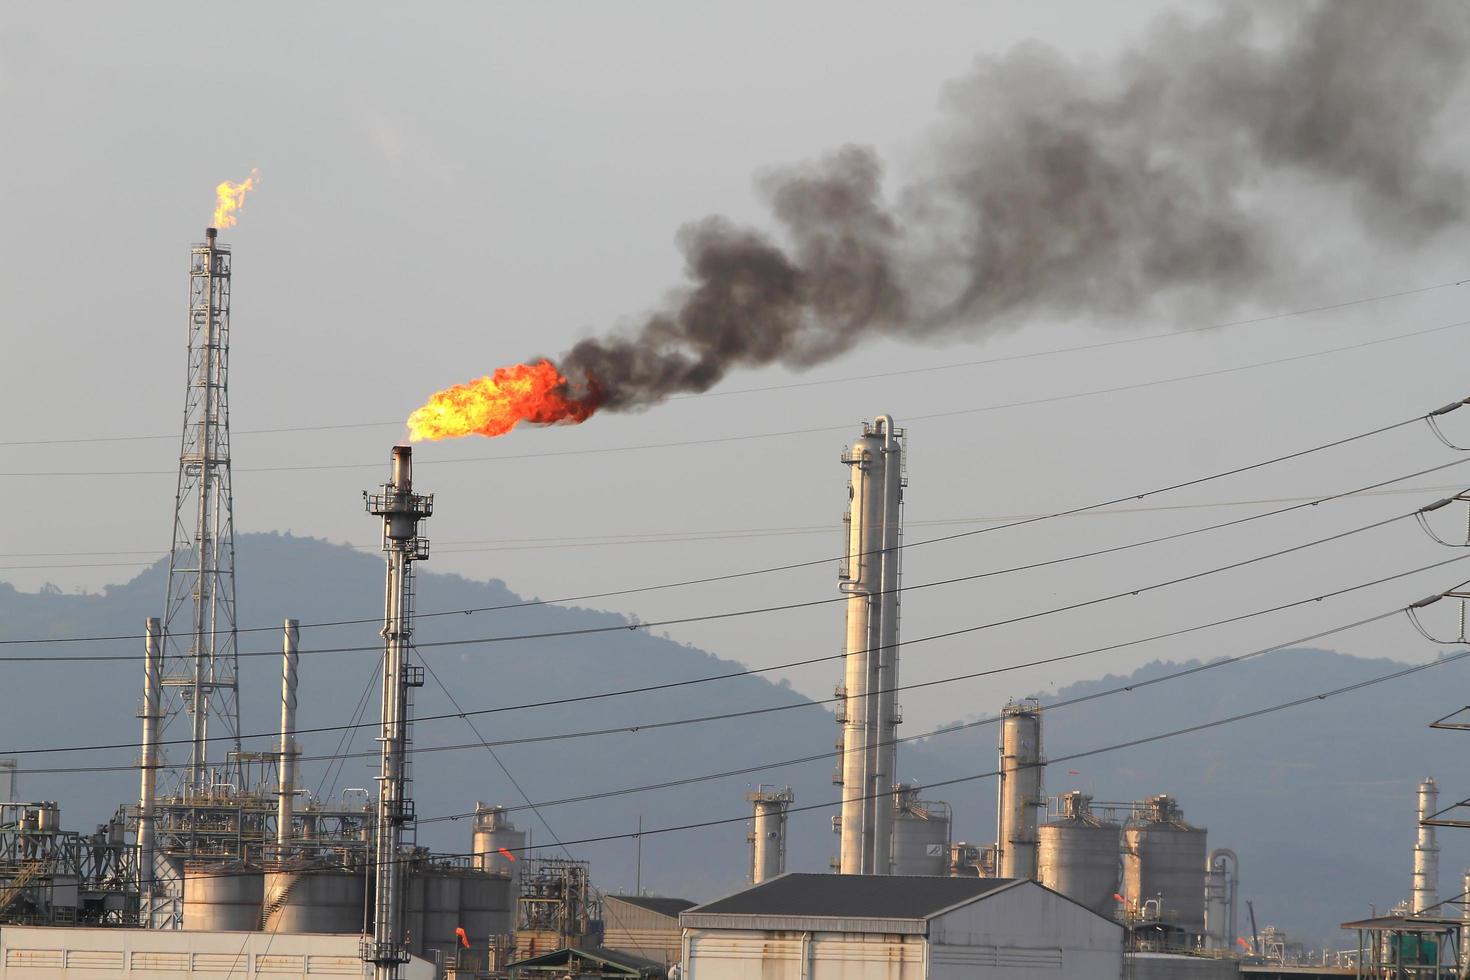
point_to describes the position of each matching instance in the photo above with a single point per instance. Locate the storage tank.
(1077, 854)
(1164, 859)
(1020, 794)
(440, 897)
(485, 904)
(314, 900)
(920, 834)
(222, 897)
(493, 831)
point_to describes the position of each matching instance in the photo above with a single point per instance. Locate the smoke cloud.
(1060, 189)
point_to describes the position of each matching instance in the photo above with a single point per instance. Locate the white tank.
(920, 834)
(1164, 859)
(1425, 894)
(1078, 855)
(222, 897)
(314, 900)
(767, 835)
(494, 831)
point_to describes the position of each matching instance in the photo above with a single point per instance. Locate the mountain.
(1317, 801)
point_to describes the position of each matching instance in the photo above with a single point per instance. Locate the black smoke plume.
(1062, 189)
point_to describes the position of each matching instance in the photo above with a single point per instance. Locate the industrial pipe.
(1426, 852)
(291, 635)
(148, 762)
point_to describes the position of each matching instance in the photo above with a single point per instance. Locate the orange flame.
(1243, 944)
(507, 853)
(459, 931)
(535, 393)
(229, 197)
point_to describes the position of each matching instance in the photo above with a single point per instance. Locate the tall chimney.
(1020, 790)
(1426, 852)
(291, 634)
(768, 832)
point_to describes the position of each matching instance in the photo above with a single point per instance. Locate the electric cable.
(905, 545)
(460, 713)
(1055, 760)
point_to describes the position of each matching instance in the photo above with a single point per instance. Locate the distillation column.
(1426, 853)
(291, 635)
(401, 510)
(870, 578)
(768, 832)
(1020, 790)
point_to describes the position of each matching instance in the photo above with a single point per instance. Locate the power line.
(687, 721)
(1019, 522)
(1030, 355)
(1027, 403)
(828, 600)
(1055, 760)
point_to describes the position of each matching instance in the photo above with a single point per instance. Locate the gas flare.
(537, 393)
(229, 197)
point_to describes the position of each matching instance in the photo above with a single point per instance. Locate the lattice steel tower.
(200, 664)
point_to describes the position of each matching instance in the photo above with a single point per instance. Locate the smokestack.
(148, 762)
(1020, 790)
(1426, 852)
(291, 634)
(869, 577)
(401, 510)
(768, 832)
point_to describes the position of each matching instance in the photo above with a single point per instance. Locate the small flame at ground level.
(229, 197)
(537, 393)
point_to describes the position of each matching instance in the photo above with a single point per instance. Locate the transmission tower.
(200, 664)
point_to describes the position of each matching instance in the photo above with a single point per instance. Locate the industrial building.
(644, 925)
(824, 927)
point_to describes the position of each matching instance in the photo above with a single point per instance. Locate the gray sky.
(449, 188)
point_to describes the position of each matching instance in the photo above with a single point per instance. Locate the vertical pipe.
(291, 635)
(1020, 790)
(885, 733)
(860, 583)
(768, 833)
(148, 762)
(1426, 852)
(1465, 918)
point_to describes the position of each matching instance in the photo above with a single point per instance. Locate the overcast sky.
(448, 188)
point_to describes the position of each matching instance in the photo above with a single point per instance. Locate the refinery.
(221, 863)
(293, 848)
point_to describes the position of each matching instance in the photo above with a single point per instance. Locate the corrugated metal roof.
(852, 896)
(653, 903)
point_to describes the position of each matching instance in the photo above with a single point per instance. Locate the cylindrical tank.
(223, 897)
(1020, 789)
(1222, 883)
(314, 900)
(1077, 855)
(1164, 859)
(768, 832)
(441, 912)
(413, 914)
(920, 834)
(485, 904)
(49, 817)
(494, 831)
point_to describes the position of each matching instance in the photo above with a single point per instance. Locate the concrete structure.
(644, 925)
(1176, 966)
(840, 927)
(1078, 854)
(51, 953)
(1164, 866)
(1425, 895)
(869, 716)
(767, 835)
(1020, 794)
